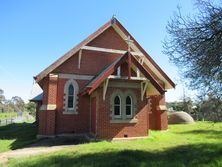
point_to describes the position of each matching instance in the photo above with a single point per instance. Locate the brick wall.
(158, 120)
(107, 130)
(46, 123)
(46, 118)
(72, 123)
(109, 39)
(38, 105)
(45, 84)
(92, 62)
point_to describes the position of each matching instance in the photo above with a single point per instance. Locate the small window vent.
(125, 135)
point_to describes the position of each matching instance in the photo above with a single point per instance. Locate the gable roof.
(36, 93)
(122, 32)
(151, 61)
(70, 53)
(96, 81)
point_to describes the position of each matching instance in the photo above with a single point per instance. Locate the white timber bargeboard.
(105, 86)
(79, 58)
(126, 78)
(146, 61)
(92, 48)
(144, 86)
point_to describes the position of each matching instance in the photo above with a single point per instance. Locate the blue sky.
(33, 34)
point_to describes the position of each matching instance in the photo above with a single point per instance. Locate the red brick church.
(106, 86)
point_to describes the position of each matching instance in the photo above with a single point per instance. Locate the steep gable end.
(73, 51)
(109, 39)
(92, 62)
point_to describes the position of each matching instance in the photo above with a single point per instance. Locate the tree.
(8, 106)
(19, 104)
(210, 108)
(185, 105)
(194, 44)
(31, 108)
(2, 97)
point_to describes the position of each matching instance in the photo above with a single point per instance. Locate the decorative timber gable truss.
(105, 75)
(138, 56)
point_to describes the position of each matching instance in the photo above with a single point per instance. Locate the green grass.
(199, 144)
(7, 115)
(17, 135)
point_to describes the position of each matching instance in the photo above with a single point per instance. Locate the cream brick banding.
(75, 76)
(53, 75)
(48, 107)
(161, 107)
(132, 121)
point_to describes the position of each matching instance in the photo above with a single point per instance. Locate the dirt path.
(25, 152)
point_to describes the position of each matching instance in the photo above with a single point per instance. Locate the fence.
(6, 121)
(19, 118)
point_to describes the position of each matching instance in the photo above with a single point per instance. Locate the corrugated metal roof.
(36, 93)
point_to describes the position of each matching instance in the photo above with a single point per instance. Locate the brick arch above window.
(75, 85)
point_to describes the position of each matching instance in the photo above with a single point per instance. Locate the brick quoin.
(158, 119)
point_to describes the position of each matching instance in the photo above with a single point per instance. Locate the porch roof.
(104, 74)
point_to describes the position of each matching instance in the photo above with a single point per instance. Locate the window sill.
(70, 112)
(132, 121)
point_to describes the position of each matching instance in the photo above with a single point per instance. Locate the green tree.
(18, 103)
(185, 106)
(31, 108)
(211, 109)
(2, 97)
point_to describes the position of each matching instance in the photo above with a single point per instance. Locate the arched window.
(117, 106)
(71, 97)
(71, 90)
(129, 106)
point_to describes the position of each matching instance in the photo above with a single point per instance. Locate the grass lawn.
(7, 115)
(199, 144)
(16, 135)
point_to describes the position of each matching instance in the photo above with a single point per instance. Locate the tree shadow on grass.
(213, 134)
(22, 134)
(58, 141)
(181, 156)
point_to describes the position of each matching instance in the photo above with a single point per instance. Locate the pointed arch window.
(123, 107)
(71, 97)
(71, 90)
(117, 107)
(129, 107)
